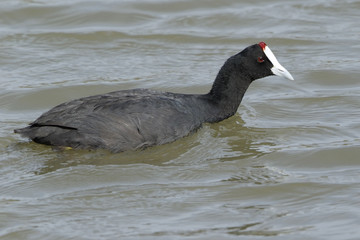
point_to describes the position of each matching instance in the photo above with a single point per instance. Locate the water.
(286, 166)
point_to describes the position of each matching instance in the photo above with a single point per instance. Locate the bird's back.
(117, 121)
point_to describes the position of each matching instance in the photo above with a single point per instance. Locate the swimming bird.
(139, 118)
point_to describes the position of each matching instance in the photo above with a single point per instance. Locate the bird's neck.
(228, 89)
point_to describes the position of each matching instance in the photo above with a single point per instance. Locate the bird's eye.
(260, 60)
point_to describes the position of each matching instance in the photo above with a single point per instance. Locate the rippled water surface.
(286, 166)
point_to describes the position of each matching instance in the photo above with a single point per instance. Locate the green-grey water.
(286, 166)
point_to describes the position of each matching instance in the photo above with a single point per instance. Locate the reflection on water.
(243, 230)
(201, 146)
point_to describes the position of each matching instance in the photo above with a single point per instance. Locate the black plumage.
(138, 118)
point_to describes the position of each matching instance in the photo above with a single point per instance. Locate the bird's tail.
(25, 132)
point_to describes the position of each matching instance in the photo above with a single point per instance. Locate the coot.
(139, 118)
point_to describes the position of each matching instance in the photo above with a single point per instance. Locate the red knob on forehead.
(262, 45)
